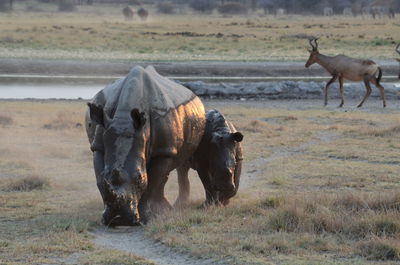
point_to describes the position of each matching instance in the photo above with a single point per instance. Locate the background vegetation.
(99, 31)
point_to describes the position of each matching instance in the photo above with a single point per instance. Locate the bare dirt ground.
(134, 240)
(205, 68)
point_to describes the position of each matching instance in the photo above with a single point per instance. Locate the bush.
(66, 6)
(165, 8)
(232, 8)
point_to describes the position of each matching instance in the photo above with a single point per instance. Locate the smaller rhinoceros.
(217, 160)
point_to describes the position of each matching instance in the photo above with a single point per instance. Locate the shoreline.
(191, 68)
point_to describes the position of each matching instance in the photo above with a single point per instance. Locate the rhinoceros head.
(124, 177)
(224, 159)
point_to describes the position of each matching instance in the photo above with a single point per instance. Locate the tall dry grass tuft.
(286, 219)
(29, 183)
(62, 122)
(5, 120)
(386, 132)
(375, 202)
(379, 249)
(254, 126)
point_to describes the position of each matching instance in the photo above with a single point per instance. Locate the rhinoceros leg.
(211, 194)
(98, 164)
(184, 185)
(157, 173)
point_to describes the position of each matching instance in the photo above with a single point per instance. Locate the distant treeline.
(245, 6)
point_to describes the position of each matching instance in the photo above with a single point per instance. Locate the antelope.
(398, 51)
(343, 67)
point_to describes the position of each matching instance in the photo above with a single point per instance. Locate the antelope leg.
(367, 78)
(381, 90)
(341, 91)
(333, 79)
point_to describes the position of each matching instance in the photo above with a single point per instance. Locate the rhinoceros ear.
(237, 136)
(138, 118)
(96, 113)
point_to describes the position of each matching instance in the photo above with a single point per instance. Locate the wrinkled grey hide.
(217, 160)
(140, 128)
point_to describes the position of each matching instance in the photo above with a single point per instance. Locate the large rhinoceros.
(141, 127)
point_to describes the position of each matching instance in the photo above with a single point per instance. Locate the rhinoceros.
(217, 160)
(141, 127)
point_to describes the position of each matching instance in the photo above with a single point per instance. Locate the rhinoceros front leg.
(98, 165)
(211, 194)
(184, 185)
(153, 200)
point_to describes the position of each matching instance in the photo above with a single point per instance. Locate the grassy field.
(319, 186)
(102, 33)
(47, 198)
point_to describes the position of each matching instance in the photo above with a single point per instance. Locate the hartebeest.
(398, 51)
(343, 67)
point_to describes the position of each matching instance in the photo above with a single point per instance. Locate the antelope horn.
(397, 48)
(312, 46)
(316, 43)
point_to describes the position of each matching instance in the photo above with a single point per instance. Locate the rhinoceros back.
(173, 112)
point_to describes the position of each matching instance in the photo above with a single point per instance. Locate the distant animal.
(365, 11)
(398, 51)
(343, 67)
(378, 11)
(347, 11)
(217, 160)
(128, 13)
(143, 14)
(328, 11)
(140, 128)
(280, 12)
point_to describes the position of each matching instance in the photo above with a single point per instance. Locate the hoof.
(160, 206)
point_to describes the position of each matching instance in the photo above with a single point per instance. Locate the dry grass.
(309, 194)
(385, 132)
(102, 33)
(306, 225)
(5, 120)
(62, 122)
(380, 249)
(321, 192)
(27, 184)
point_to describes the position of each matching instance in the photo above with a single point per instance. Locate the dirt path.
(251, 172)
(133, 240)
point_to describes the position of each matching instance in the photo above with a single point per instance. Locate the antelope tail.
(378, 79)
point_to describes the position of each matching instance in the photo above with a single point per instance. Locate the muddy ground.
(199, 68)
